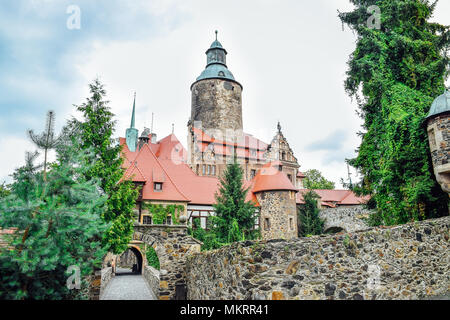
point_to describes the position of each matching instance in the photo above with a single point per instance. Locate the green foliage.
(315, 180)
(152, 258)
(161, 212)
(95, 133)
(4, 191)
(399, 69)
(208, 238)
(309, 222)
(57, 216)
(235, 218)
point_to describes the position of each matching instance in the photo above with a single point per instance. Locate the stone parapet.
(404, 262)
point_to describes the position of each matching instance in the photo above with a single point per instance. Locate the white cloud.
(290, 56)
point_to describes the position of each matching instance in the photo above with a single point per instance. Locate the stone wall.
(403, 262)
(350, 218)
(280, 209)
(439, 141)
(172, 245)
(106, 274)
(217, 103)
(151, 275)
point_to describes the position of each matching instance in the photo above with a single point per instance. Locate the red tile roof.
(270, 178)
(331, 198)
(148, 167)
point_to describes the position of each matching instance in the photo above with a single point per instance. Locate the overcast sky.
(289, 55)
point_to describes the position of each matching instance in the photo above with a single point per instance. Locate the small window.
(147, 220)
(432, 138)
(157, 186)
(209, 170)
(290, 178)
(266, 224)
(221, 74)
(252, 173)
(213, 170)
(291, 223)
(204, 169)
(280, 168)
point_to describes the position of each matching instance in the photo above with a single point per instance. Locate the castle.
(170, 174)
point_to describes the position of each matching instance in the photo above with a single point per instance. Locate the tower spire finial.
(216, 34)
(134, 110)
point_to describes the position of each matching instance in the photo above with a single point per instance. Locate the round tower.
(216, 95)
(438, 127)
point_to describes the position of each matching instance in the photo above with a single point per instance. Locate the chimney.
(153, 138)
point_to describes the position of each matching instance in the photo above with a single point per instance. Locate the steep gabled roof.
(146, 166)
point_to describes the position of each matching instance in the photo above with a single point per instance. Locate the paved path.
(127, 286)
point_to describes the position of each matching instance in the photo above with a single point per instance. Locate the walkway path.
(127, 286)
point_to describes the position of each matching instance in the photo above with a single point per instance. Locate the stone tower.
(438, 127)
(276, 196)
(216, 96)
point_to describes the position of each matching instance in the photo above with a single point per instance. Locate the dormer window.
(157, 186)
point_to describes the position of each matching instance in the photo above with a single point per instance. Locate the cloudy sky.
(289, 55)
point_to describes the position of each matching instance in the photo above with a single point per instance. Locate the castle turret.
(438, 127)
(132, 133)
(276, 196)
(216, 95)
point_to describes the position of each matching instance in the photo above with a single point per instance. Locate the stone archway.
(136, 263)
(172, 245)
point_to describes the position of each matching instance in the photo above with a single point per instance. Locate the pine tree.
(59, 212)
(309, 222)
(95, 131)
(399, 67)
(235, 218)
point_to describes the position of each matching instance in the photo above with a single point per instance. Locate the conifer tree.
(96, 133)
(396, 71)
(309, 222)
(59, 212)
(235, 218)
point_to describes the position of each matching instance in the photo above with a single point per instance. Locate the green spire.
(132, 133)
(134, 110)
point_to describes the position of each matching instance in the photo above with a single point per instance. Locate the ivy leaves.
(400, 69)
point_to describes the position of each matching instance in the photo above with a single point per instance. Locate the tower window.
(213, 170)
(221, 74)
(291, 223)
(157, 187)
(432, 139)
(266, 224)
(290, 178)
(204, 169)
(252, 173)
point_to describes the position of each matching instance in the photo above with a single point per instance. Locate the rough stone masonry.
(403, 262)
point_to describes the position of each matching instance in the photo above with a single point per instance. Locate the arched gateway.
(172, 245)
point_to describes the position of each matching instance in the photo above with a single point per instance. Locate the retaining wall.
(403, 262)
